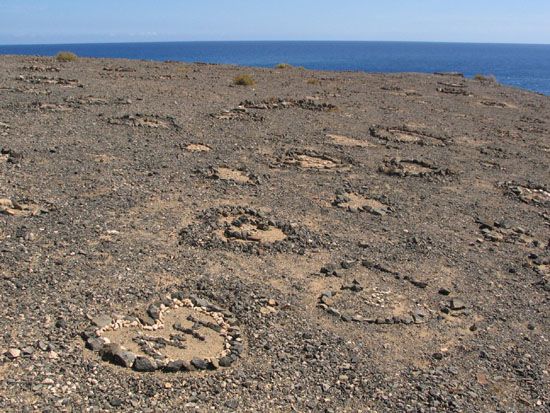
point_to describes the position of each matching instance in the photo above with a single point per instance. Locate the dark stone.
(187, 366)
(115, 402)
(200, 302)
(147, 320)
(419, 284)
(354, 287)
(180, 295)
(124, 358)
(61, 323)
(166, 301)
(334, 311)
(94, 344)
(226, 361)
(215, 308)
(347, 264)
(154, 311)
(88, 334)
(237, 347)
(109, 349)
(200, 364)
(174, 366)
(329, 269)
(144, 364)
(444, 291)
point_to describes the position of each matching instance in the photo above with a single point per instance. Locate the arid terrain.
(315, 242)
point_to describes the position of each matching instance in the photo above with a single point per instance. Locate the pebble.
(27, 350)
(13, 353)
(102, 320)
(457, 304)
(115, 402)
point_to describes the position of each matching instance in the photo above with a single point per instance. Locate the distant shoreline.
(520, 65)
(271, 41)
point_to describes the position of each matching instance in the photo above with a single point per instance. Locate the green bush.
(66, 57)
(244, 80)
(283, 66)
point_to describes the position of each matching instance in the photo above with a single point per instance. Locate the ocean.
(523, 66)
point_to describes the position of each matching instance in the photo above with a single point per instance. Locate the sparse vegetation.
(313, 82)
(182, 68)
(244, 80)
(66, 57)
(283, 66)
(484, 78)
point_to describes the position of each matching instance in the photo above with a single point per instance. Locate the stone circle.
(147, 121)
(406, 134)
(197, 147)
(19, 209)
(530, 194)
(411, 167)
(280, 103)
(311, 160)
(356, 202)
(232, 175)
(177, 334)
(248, 230)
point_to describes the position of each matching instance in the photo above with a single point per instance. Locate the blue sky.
(73, 21)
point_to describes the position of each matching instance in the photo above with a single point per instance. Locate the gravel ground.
(367, 242)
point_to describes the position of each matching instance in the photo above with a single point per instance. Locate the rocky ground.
(325, 242)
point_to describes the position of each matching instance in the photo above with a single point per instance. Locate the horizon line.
(270, 41)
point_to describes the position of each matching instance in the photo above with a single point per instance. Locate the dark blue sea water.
(524, 66)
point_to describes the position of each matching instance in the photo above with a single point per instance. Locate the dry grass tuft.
(313, 82)
(66, 57)
(483, 78)
(244, 80)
